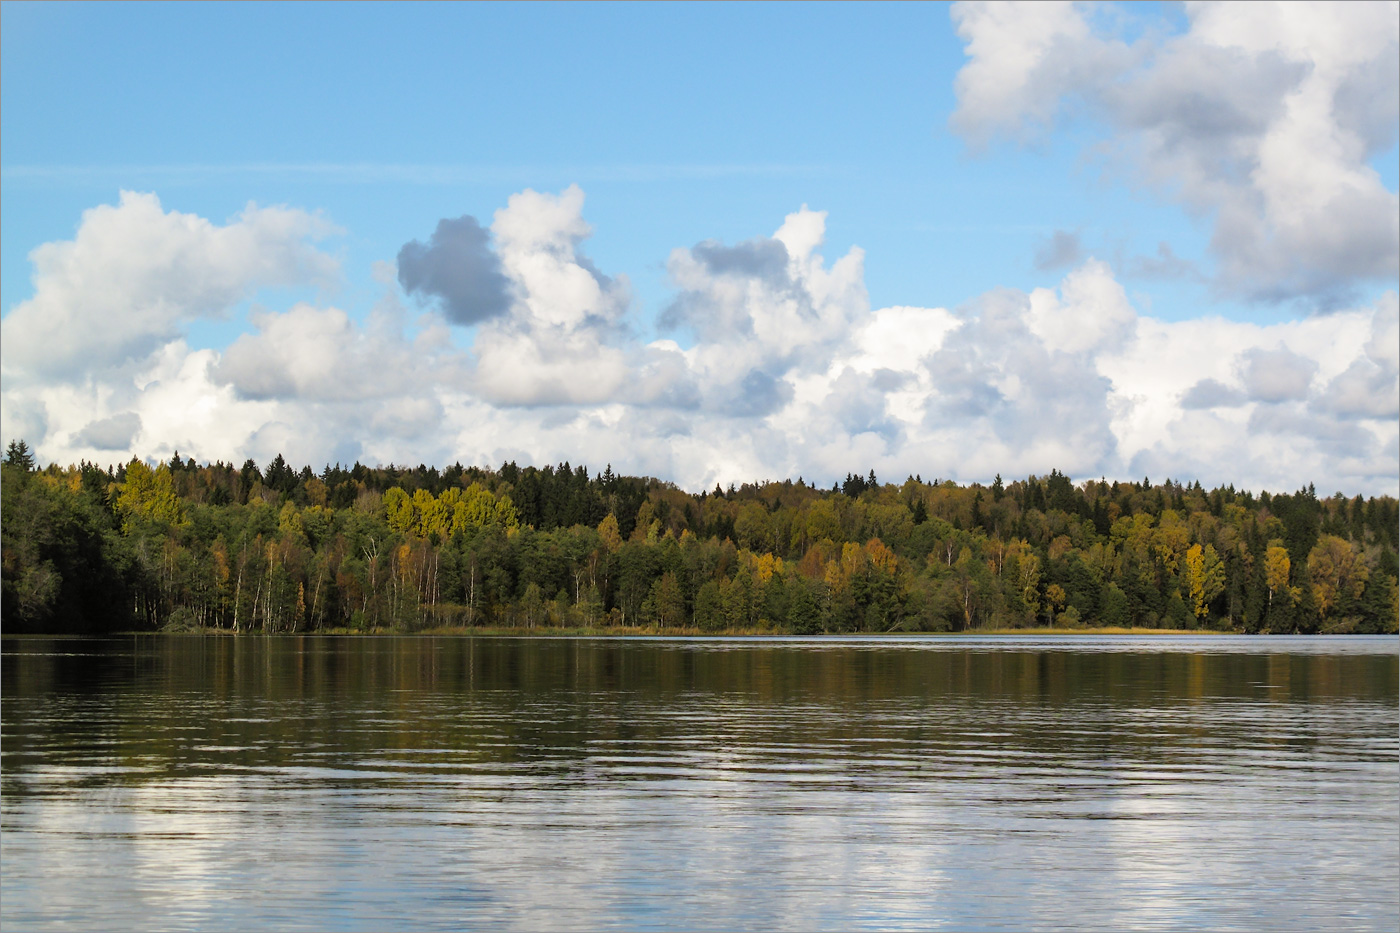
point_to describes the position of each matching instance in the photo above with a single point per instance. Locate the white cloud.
(1254, 405)
(1091, 313)
(765, 312)
(1370, 386)
(1263, 115)
(790, 373)
(135, 273)
(1023, 58)
(557, 344)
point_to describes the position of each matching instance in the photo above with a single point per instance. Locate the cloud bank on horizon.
(503, 340)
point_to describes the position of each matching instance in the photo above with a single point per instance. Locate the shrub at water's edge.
(185, 547)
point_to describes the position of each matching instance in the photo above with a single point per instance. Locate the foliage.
(180, 545)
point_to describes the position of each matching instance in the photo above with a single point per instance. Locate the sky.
(711, 243)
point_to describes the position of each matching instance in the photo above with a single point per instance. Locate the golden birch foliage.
(423, 516)
(881, 557)
(852, 559)
(766, 565)
(1205, 577)
(289, 524)
(609, 533)
(1102, 561)
(316, 492)
(1027, 574)
(1136, 534)
(841, 571)
(476, 507)
(434, 517)
(398, 510)
(149, 493)
(1172, 539)
(1337, 571)
(503, 512)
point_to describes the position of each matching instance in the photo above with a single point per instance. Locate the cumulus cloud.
(134, 274)
(790, 372)
(1262, 115)
(559, 344)
(1024, 59)
(765, 312)
(1370, 386)
(458, 268)
(1020, 392)
(317, 354)
(1090, 312)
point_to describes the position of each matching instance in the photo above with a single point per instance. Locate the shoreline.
(663, 632)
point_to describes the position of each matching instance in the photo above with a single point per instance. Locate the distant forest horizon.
(184, 546)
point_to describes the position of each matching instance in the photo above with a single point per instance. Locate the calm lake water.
(437, 783)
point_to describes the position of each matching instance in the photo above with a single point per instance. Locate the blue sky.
(683, 124)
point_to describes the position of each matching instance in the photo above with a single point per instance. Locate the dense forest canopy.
(184, 546)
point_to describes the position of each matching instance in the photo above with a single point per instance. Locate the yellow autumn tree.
(609, 533)
(1025, 569)
(476, 507)
(398, 510)
(1276, 570)
(289, 524)
(766, 565)
(149, 494)
(1205, 577)
(433, 517)
(1337, 571)
(1171, 540)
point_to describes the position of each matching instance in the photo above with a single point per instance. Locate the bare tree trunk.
(316, 596)
(471, 596)
(238, 587)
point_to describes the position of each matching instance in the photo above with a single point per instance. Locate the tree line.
(187, 546)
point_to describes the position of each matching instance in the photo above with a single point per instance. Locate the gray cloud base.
(1060, 251)
(114, 433)
(458, 268)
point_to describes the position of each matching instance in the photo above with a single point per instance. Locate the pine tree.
(18, 455)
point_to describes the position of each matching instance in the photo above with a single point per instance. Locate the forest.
(181, 546)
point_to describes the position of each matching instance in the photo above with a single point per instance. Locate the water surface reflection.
(588, 783)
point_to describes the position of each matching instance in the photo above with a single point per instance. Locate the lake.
(1088, 782)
